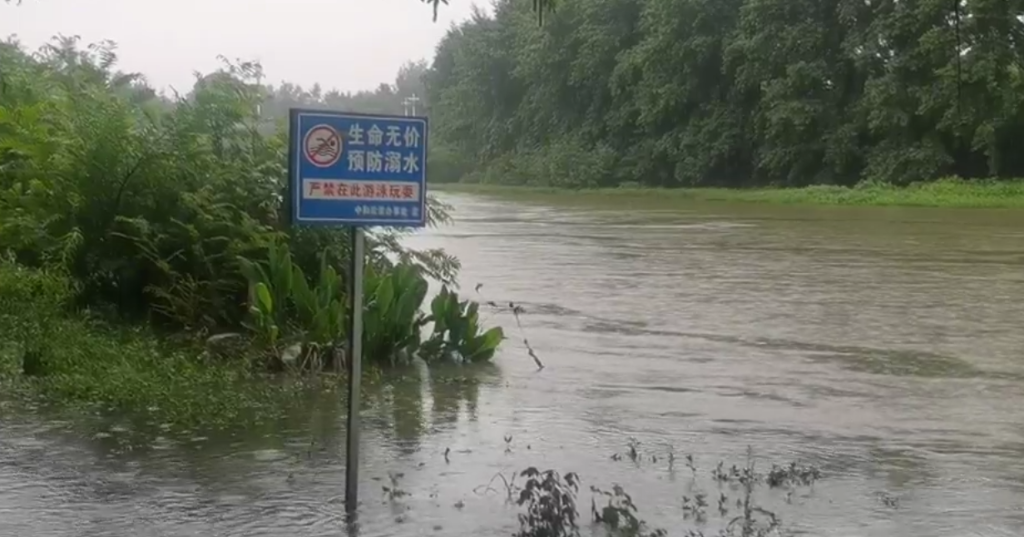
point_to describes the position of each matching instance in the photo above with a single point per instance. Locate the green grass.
(129, 371)
(943, 193)
(83, 363)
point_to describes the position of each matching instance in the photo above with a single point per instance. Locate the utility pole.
(410, 102)
(259, 84)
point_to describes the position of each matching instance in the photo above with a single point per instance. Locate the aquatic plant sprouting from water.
(457, 334)
(753, 521)
(288, 311)
(633, 449)
(392, 319)
(393, 491)
(550, 501)
(633, 452)
(695, 508)
(734, 502)
(285, 311)
(750, 520)
(619, 514)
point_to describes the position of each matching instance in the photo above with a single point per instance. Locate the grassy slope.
(944, 193)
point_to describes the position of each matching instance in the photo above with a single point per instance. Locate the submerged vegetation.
(95, 364)
(148, 267)
(729, 503)
(732, 93)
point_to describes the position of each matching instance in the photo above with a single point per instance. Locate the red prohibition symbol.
(322, 146)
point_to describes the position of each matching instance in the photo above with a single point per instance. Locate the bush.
(31, 303)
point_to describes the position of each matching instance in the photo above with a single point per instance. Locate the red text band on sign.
(343, 189)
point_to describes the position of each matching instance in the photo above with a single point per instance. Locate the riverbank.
(944, 193)
(54, 355)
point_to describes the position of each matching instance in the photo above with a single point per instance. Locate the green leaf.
(385, 293)
(252, 271)
(302, 295)
(266, 303)
(493, 337)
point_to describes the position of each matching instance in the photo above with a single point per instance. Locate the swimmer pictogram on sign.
(322, 146)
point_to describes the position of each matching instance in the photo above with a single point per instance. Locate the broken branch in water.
(511, 489)
(516, 310)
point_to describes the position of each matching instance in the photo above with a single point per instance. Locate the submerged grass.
(129, 371)
(57, 355)
(949, 192)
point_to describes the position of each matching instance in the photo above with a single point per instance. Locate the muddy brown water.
(885, 346)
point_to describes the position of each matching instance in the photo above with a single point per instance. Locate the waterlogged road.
(882, 345)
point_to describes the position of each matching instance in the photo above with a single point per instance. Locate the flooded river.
(883, 346)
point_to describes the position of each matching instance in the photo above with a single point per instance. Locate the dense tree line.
(384, 99)
(732, 92)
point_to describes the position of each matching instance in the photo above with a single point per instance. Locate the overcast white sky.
(343, 44)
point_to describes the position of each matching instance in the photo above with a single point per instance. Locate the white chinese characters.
(373, 161)
(394, 162)
(411, 163)
(412, 136)
(356, 161)
(375, 135)
(394, 136)
(409, 136)
(388, 211)
(355, 134)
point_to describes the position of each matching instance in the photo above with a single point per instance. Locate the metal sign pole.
(356, 170)
(355, 369)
